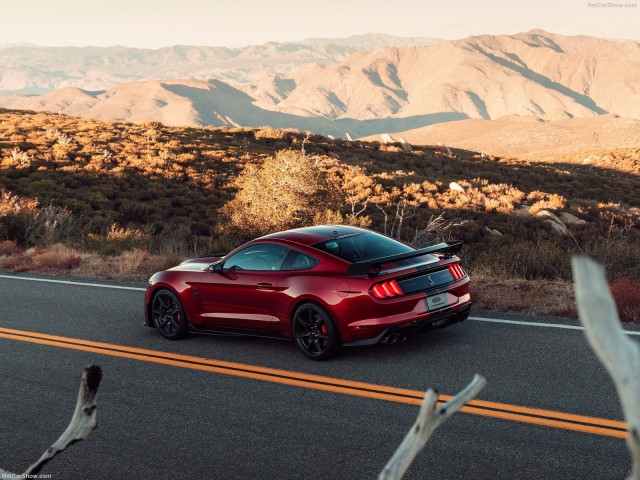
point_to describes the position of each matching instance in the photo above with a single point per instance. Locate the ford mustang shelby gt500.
(322, 286)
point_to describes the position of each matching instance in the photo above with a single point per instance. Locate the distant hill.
(484, 76)
(393, 89)
(530, 137)
(26, 68)
(173, 103)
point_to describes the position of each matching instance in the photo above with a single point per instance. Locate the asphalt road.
(158, 421)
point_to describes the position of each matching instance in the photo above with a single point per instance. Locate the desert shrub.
(286, 191)
(276, 133)
(59, 257)
(626, 293)
(436, 230)
(130, 262)
(540, 297)
(16, 215)
(540, 259)
(545, 201)
(117, 240)
(618, 251)
(8, 247)
(51, 225)
(18, 262)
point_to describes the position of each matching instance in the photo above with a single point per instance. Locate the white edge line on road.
(537, 324)
(478, 319)
(66, 282)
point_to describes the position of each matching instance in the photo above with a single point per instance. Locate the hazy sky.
(158, 23)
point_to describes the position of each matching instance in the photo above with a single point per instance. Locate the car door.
(241, 295)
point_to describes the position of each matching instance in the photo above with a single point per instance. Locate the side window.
(261, 257)
(299, 261)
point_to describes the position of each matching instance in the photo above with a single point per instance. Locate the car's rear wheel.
(168, 315)
(314, 332)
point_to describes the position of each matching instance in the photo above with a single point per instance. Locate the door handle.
(265, 286)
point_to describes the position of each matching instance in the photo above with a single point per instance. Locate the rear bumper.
(416, 327)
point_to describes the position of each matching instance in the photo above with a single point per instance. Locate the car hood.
(195, 264)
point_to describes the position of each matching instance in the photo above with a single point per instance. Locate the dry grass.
(626, 292)
(536, 297)
(8, 247)
(58, 259)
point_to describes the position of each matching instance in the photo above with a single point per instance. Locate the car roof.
(312, 235)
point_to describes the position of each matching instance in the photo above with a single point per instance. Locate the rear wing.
(358, 269)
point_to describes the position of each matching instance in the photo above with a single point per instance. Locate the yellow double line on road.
(549, 418)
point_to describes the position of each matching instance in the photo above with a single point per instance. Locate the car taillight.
(387, 289)
(456, 271)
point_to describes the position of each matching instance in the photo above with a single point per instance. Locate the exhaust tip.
(390, 338)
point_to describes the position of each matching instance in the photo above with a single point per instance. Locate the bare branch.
(428, 420)
(82, 422)
(618, 353)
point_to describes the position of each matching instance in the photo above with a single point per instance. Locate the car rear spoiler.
(358, 269)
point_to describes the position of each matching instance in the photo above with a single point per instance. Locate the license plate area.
(436, 302)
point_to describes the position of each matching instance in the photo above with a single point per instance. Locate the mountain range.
(26, 68)
(392, 89)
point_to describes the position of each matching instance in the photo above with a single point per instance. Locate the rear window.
(363, 246)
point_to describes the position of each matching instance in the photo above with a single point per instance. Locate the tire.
(168, 315)
(314, 332)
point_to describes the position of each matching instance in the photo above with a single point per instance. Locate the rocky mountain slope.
(477, 77)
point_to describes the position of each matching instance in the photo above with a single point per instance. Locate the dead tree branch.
(618, 353)
(428, 420)
(82, 422)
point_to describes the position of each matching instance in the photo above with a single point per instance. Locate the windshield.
(362, 247)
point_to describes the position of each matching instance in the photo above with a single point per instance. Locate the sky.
(235, 23)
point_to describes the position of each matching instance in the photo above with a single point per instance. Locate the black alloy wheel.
(168, 315)
(314, 332)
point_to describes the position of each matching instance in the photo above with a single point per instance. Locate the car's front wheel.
(314, 332)
(168, 315)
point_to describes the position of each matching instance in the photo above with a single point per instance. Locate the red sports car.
(323, 287)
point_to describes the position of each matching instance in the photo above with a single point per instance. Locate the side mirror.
(216, 267)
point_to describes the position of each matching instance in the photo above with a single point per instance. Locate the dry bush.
(276, 133)
(16, 215)
(13, 205)
(286, 191)
(618, 251)
(537, 297)
(118, 240)
(130, 262)
(626, 293)
(480, 195)
(58, 257)
(18, 262)
(9, 247)
(136, 265)
(525, 259)
(545, 201)
(500, 197)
